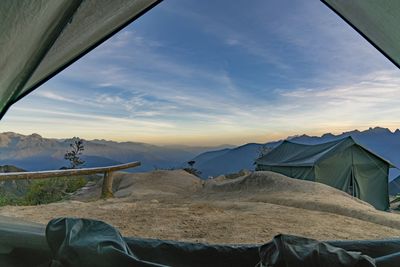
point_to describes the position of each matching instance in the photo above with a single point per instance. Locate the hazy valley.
(33, 152)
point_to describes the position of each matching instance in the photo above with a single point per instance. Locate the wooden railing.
(108, 171)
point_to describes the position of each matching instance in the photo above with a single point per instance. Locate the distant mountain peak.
(371, 130)
(10, 168)
(10, 134)
(327, 135)
(356, 131)
(297, 136)
(35, 135)
(378, 130)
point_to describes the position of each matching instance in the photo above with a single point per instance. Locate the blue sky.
(214, 72)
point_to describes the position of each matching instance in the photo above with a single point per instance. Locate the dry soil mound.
(156, 183)
(249, 209)
(270, 187)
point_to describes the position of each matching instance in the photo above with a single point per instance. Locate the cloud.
(54, 96)
(232, 41)
(371, 100)
(93, 118)
(73, 98)
(303, 41)
(281, 69)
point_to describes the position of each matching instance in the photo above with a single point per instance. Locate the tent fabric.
(78, 242)
(297, 251)
(294, 251)
(40, 38)
(377, 21)
(394, 186)
(342, 164)
(82, 242)
(299, 155)
(295, 154)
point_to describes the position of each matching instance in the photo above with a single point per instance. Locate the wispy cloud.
(54, 96)
(371, 100)
(188, 70)
(90, 118)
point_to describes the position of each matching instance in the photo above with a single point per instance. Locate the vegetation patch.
(45, 191)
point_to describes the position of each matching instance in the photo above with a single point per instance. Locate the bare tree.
(191, 168)
(74, 155)
(191, 163)
(263, 150)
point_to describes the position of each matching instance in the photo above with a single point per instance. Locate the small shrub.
(43, 192)
(75, 183)
(237, 174)
(52, 190)
(193, 171)
(395, 199)
(6, 199)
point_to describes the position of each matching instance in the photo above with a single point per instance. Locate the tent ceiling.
(40, 38)
(377, 21)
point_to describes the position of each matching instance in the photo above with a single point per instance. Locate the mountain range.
(34, 152)
(379, 140)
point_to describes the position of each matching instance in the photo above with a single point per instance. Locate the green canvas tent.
(342, 164)
(394, 186)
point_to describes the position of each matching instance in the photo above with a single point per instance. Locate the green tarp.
(342, 164)
(378, 21)
(40, 38)
(68, 242)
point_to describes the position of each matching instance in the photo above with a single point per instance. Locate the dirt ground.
(251, 209)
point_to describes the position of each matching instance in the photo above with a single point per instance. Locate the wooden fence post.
(106, 190)
(64, 173)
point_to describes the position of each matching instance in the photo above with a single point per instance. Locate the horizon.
(392, 131)
(284, 68)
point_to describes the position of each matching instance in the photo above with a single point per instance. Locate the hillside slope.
(228, 160)
(275, 188)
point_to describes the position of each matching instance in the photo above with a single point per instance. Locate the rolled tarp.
(75, 242)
